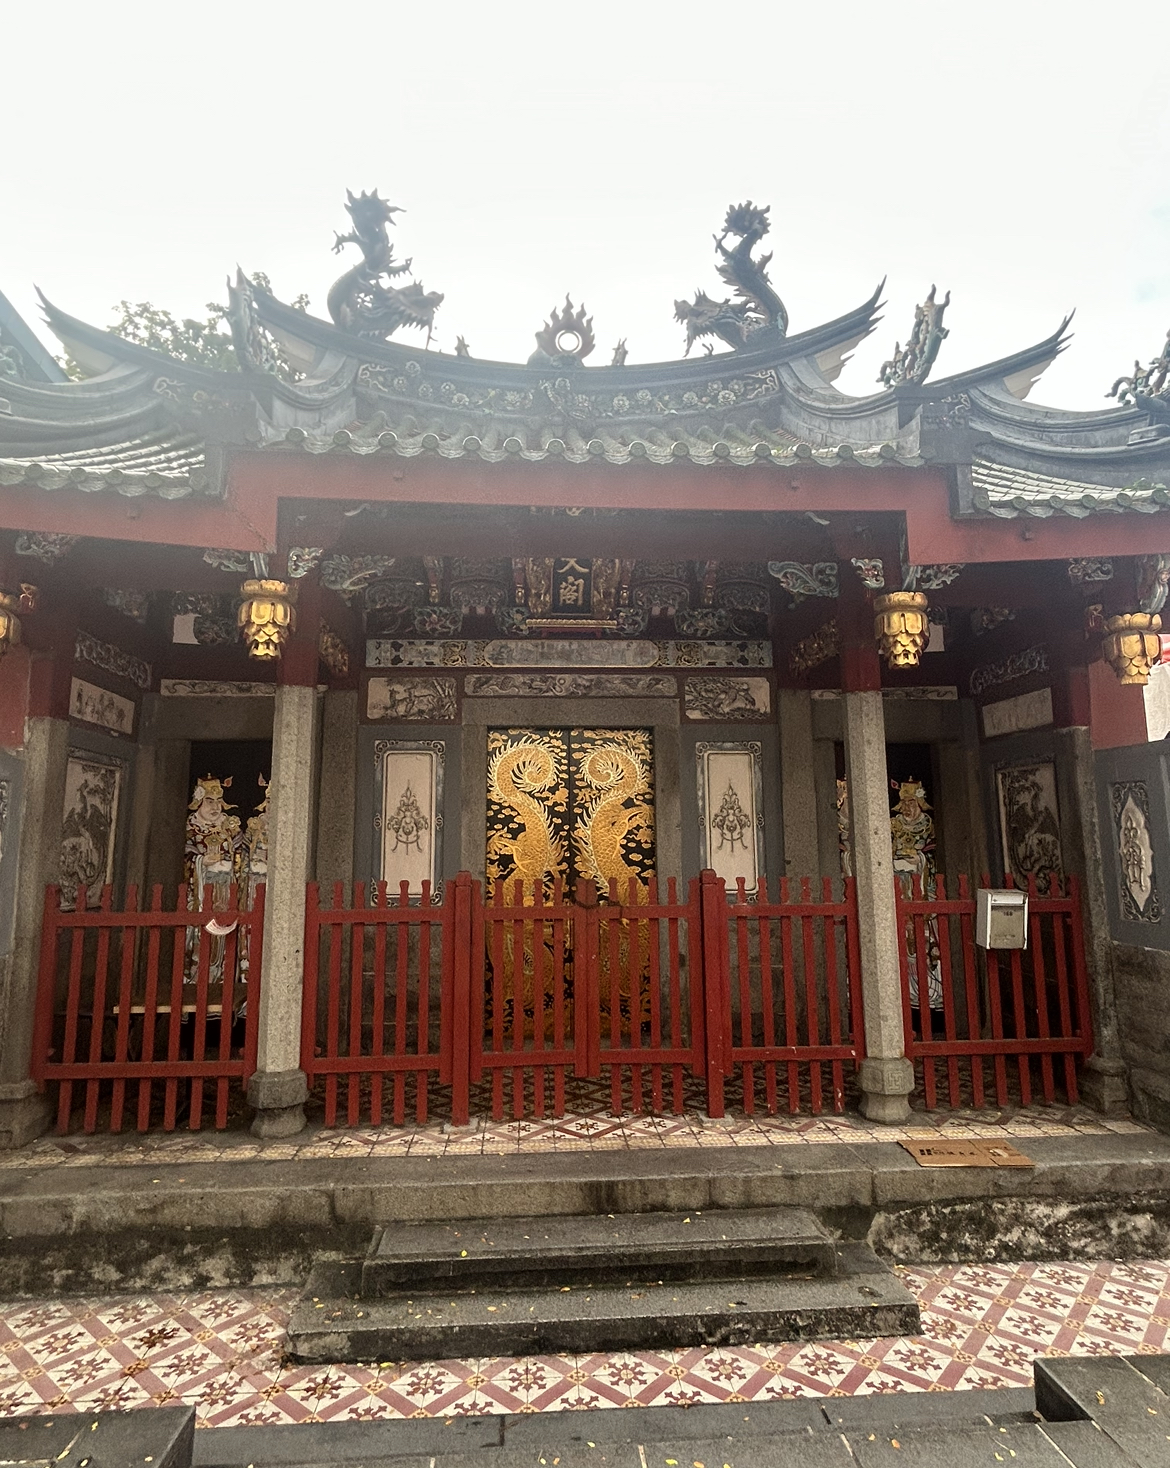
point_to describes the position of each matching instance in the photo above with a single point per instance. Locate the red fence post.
(713, 899)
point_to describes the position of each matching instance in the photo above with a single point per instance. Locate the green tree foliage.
(206, 343)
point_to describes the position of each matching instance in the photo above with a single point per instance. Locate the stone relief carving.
(386, 652)
(1140, 901)
(112, 659)
(408, 824)
(213, 688)
(731, 821)
(93, 787)
(1018, 665)
(726, 698)
(1029, 822)
(570, 685)
(423, 699)
(94, 705)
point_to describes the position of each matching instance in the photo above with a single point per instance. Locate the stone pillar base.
(886, 1085)
(1104, 1085)
(24, 1115)
(279, 1098)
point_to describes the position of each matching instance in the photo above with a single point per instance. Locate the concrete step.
(334, 1321)
(530, 1253)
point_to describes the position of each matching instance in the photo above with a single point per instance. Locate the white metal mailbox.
(1001, 918)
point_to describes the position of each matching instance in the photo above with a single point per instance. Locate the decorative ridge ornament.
(901, 627)
(1131, 645)
(267, 617)
(565, 339)
(912, 363)
(1146, 383)
(360, 301)
(758, 307)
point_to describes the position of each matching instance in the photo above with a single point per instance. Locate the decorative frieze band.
(563, 653)
(112, 659)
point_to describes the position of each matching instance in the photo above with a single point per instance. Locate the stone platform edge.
(191, 1225)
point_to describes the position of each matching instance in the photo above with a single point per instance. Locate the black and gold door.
(566, 804)
(570, 803)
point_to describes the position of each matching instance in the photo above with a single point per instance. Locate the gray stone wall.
(1133, 805)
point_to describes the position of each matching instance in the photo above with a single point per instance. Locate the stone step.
(631, 1248)
(333, 1321)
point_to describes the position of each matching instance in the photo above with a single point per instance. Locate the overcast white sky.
(1014, 151)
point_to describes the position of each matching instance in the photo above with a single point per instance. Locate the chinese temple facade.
(382, 728)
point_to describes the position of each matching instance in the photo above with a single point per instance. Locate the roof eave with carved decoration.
(146, 423)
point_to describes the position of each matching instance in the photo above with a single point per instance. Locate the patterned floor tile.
(222, 1352)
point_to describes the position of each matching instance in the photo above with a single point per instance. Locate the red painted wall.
(13, 697)
(1117, 714)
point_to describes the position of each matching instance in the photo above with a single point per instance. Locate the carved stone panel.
(409, 813)
(93, 790)
(214, 688)
(724, 700)
(571, 685)
(1140, 901)
(422, 700)
(94, 705)
(1029, 822)
(731, 820)
(386, 652)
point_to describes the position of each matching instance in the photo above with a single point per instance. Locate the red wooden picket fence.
(1024, 1014)
(379, 1004)
(145, 1010)
(500, 1002)
(793, 971)
(516, 994)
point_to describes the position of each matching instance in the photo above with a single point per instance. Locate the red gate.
(1021, 1012)
(599, 988)
(792, 1001)
(516, 996)
(378, 1004)
(146, 999)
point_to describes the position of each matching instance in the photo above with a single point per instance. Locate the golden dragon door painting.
(570, 803)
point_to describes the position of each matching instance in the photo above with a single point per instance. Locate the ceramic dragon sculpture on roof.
(363, 300)
(757, 307)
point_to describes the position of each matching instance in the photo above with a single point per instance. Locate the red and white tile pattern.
(590, 1127)
(223, 1353)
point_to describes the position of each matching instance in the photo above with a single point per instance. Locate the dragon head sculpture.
(363, 300)
(756, 306)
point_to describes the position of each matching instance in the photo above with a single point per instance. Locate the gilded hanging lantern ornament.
(901, 627)
(1131, 645)
(9, 621)
(266, 616)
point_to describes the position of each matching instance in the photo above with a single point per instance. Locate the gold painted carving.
(568, 804)
(817, 648)
(901, 628)
(1131, 645)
